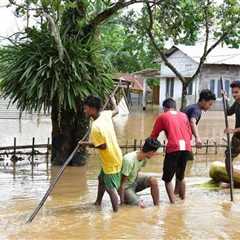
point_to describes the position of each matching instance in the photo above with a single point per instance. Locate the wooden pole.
(14, 157)
(135, 144)
(60, 172)
(33, 149)
(230, 173)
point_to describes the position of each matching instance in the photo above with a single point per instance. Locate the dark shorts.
(130, 196)
(235, 146)
(110, 180)
(175, 163)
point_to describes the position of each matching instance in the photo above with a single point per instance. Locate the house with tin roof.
(222, 61)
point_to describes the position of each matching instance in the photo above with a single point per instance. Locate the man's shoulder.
(192, 107)
(161, 115)
(130, 156)
(182, 114)
(104, 115)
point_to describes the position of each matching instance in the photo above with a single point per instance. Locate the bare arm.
(193, 123)
(121, 189)
(91, 145)
(232, 130)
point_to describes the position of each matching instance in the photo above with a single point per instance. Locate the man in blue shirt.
(194, 112)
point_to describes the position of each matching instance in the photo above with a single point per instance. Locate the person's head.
(169, 104)
(92, 105)
(235, 86)
(150, 147)
(206, 99)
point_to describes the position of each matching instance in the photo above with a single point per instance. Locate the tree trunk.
(68, 128)
(184, 95)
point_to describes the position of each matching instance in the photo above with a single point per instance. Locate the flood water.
(70, 214)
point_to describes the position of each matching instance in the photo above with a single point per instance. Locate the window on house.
(170, 87)
(227, 87)
(219, 89)
(215, 87)
(212, 85)
(190, 89)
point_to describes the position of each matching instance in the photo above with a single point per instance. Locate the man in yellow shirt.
(103, 138)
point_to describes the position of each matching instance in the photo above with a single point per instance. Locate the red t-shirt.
(177, 129)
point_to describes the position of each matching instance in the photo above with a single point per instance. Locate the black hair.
(93, 101)
(169, 103)
(151, 144)
(235, 84)
(206, 95)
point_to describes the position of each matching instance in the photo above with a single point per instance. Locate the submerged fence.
(33, 149)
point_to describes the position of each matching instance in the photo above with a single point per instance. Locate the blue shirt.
(193, 111)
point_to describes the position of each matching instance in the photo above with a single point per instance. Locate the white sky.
(10, 24)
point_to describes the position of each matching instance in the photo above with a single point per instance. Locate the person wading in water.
(194, 112)
(103, 138)
(234, 109)
(178, 132)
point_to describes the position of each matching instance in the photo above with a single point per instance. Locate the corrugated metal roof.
(136, 82)
(219, 55)
(11, 112)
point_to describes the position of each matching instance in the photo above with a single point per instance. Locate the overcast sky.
(10, 24)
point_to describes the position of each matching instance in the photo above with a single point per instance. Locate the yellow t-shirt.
(102, 132)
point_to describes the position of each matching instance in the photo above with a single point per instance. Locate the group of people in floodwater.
(119, 175)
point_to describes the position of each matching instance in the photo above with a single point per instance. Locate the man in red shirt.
(178, 132)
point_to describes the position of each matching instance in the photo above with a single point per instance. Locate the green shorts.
(130, 196)
(110, 180)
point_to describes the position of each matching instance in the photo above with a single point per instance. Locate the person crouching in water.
(178, 132)
(132, 182)
(103, 138)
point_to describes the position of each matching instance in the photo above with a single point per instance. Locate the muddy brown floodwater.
(70, 214)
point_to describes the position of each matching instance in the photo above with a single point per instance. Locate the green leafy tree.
(57, 63)
(126, 44)
(220, 20)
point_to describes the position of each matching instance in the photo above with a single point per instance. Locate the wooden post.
(144, 96)
(33, 143)
(135, 145)
(207, 147)
(14, 156)
(126, 147)
(215, 144)
(48, 146)
(14, 146)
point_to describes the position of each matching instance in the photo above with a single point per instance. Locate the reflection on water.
(70, 214)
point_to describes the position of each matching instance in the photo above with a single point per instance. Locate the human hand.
(141, 204)
(198, 142)
(83, 143)
(224, 94)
